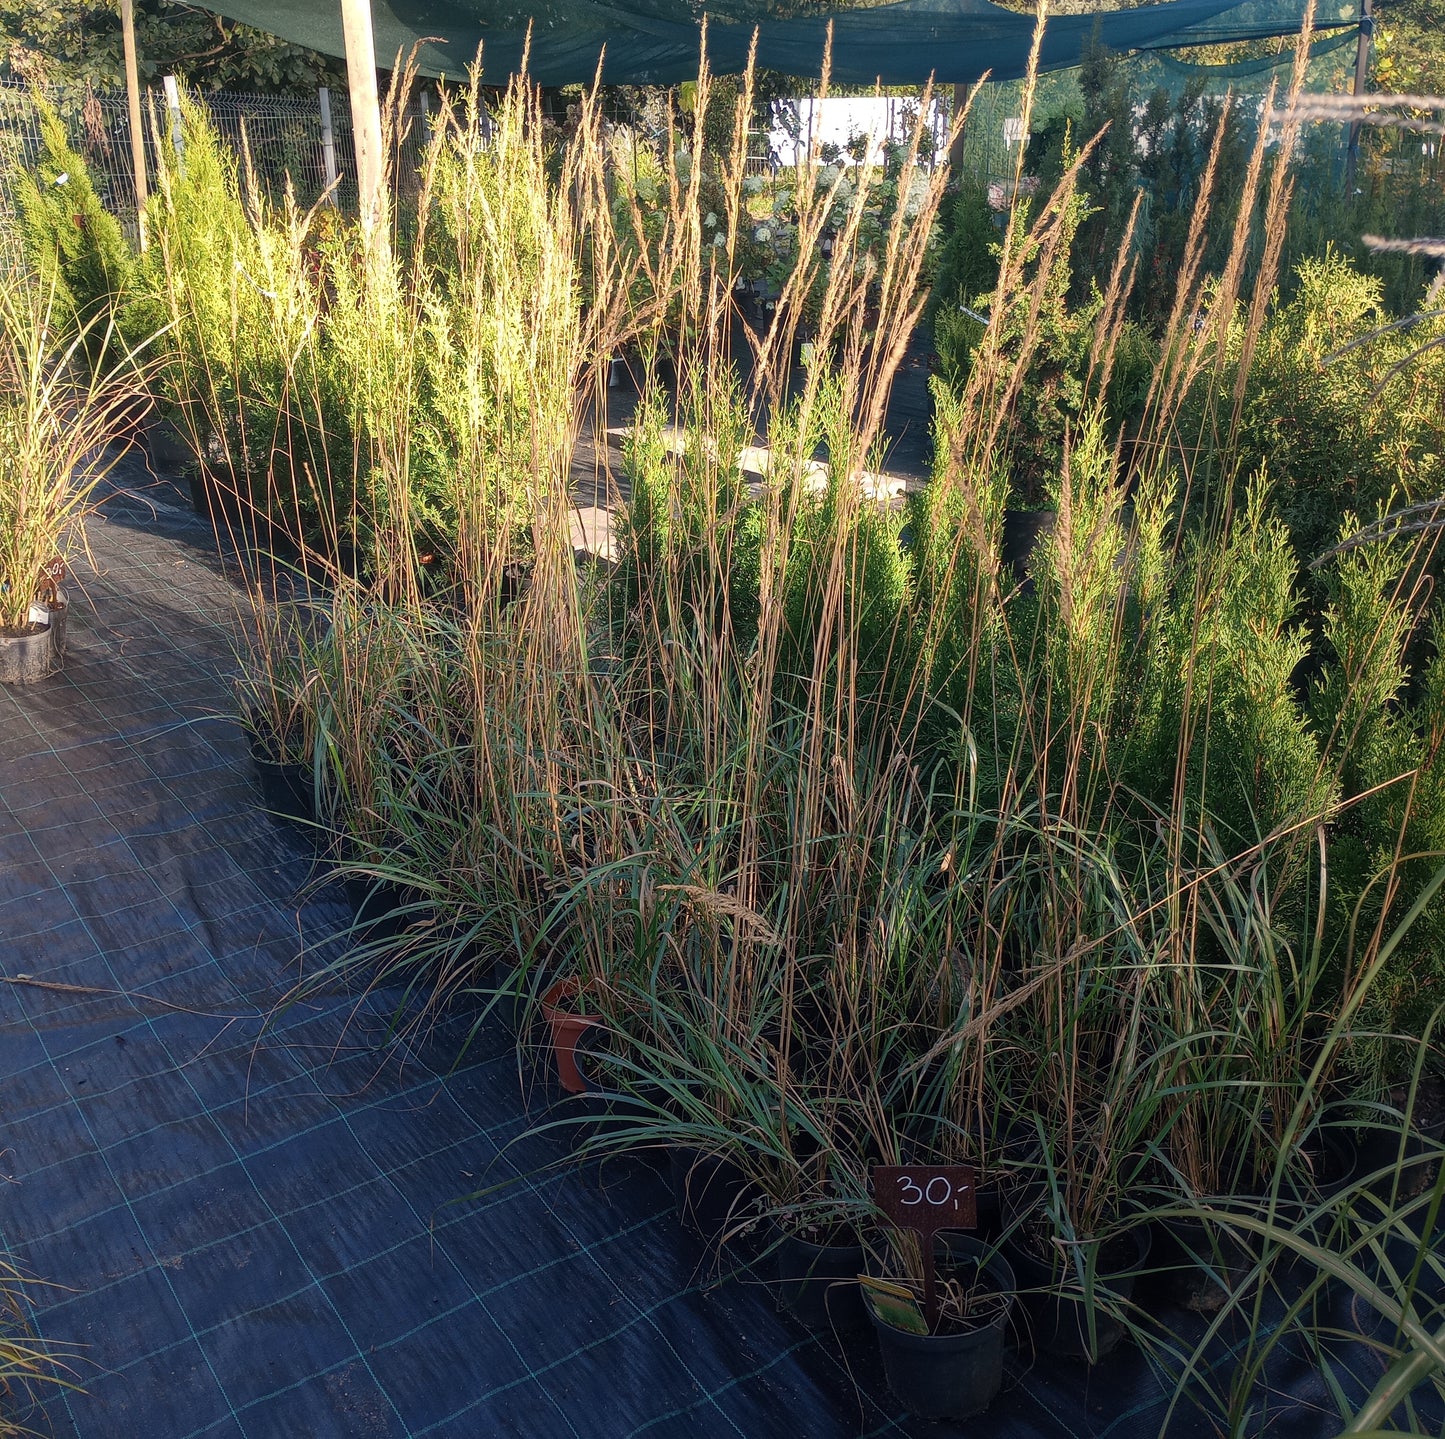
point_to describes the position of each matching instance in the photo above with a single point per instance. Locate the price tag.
(927, 1198)
(53, 570)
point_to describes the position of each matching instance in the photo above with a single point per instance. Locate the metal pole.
(178, 134)
(328, 143)
(365, 109)
(137, 130)
(1362, 65)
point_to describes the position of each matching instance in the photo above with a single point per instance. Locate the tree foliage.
(81, 42)
(74, 243)
(1409, 47)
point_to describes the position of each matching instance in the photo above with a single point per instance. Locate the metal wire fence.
(282, 139)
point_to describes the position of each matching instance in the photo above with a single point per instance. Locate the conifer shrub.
(73, 243)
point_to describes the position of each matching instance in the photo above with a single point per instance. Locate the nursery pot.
(54, 613)
(214, 499)
(1012, 1152)
(27, 654)
(513, 995)
(567, 1025)
(1383, 1148)
(286, 785)
(950, 1375)
(383, 908)
(1059, 1322)
(607, 1111)
(230, 512)
(708, 1191)
(818, 1283)
(1197, 1263)
(286, 788)
(167, 449)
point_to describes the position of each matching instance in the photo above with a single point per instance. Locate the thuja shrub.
(1040, 329)
(495, 290)
(1384, 727)
(71, 241)
(198, 281)
(1325, 407)
(1220, 682)
(967, 253)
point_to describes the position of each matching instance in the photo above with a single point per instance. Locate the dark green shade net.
(658, 41)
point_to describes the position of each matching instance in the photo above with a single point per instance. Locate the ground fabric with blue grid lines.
(249, 1215)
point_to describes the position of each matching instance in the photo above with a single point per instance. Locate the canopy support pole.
(955, 149)
(137, 131)
(1362, 65)
(365, 110)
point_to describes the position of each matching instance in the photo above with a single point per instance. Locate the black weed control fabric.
(249, 1218)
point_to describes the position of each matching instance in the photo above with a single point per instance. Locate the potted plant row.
(58, 410)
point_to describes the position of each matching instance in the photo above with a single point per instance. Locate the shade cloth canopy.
(658, 41)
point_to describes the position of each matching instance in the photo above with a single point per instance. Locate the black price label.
(927, 1197)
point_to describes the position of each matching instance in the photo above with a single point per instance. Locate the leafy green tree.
(1409, 48)
(81, 42)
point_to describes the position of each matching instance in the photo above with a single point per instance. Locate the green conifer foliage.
(74, 243)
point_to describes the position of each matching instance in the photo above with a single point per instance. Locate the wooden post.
(178, 132)
(955, 150)
(328, 143)
(137, 127)
(365, 110)
(1362, 66)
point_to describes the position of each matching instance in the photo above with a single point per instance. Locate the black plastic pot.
(233, 516)
(818, 1283)
(1012, 1153)
(383, 909)
(214, 500)
(167, 449)
(708, 1191)
(27, 657)
(1337, 1160)
(605, 1111)
(1407, 1164)
(286, 788)
(1059, 1321)
(1197, 1264)
(512, 1003)
(949, 1376)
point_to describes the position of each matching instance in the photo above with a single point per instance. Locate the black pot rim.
(1139, 1234)
(989, 1262)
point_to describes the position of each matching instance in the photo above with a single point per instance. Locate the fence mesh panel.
(280, 136)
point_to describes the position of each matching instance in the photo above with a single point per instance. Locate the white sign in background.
(840, 119)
